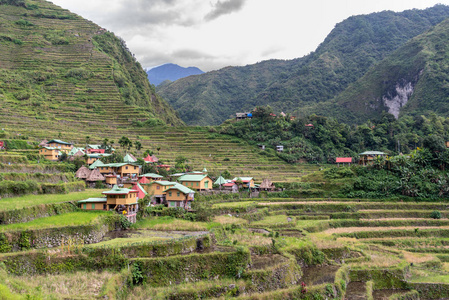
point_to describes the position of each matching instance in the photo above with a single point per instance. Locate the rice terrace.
(320, 177)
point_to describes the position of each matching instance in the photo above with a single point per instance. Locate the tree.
(138, 145)
(125, 142)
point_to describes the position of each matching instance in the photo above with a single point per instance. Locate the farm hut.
(267, 185)
(94, 176)
(82, 173)
(279, 148)
(261, 147)
(368, 157)
(447, 144)
(343, 160)
(231, 186)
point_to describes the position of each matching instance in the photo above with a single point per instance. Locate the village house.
(245, 181)
(199, 182)
(157, 190)
(179, 196)
(93, 204)
(129, 158)
(93, 157)
(50, 153)
(111, 180)
(123, 200)
(279, 148)
(61, 145)
(368, 157)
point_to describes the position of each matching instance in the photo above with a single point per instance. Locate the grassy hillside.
(60, 68)
(420, 67)
(299, 85)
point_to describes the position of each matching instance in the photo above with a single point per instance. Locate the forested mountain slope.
(58, 68)
(298, 85)
(413, 80)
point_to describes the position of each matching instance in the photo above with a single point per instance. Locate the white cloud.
(212, 35)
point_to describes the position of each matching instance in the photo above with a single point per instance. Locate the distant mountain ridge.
(171, 72)
(303, 85)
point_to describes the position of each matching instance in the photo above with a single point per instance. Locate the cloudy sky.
(212, 34)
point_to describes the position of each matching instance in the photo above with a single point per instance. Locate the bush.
(435, 215)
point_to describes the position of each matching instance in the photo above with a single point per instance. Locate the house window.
(158, 187)
(123, 196)
(104, 206)
(93, 205)
(169, 194)
(172, 203)
(134, 168)
(197, 184)
(178, 194)
(84, 205)
(191, 183)
(126, 168)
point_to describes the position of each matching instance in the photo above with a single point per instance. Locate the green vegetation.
(305, 85)
(70, 71)
(32, 200)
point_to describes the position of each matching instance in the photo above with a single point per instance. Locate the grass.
(32, 200)
(225, 220)
(62, 286)
(273, 220)
(172, 224)
(234, 204)
(69, 219)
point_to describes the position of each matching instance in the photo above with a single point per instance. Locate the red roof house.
(140, 191)
(343, 160)
(151, 159)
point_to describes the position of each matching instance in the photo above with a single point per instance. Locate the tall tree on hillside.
(138, 145)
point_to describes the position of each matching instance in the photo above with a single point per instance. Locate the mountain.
(300, 85)
(170, 72)
(413, 80)
(62, 72)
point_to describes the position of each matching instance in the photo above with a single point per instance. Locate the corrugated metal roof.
(59, 142)
(152, 175)
(191, 177)
(372, 153)
(243, 179)
(92, 200)
(119, 191)
(181, 188)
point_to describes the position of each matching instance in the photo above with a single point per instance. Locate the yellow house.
(61, 145)
(49, 153)
(157, 188)
(179, 196)
(245, 181)
(93, 204)
(199, 182)
(121, 196)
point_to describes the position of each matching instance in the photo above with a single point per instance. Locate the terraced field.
(271, 248)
